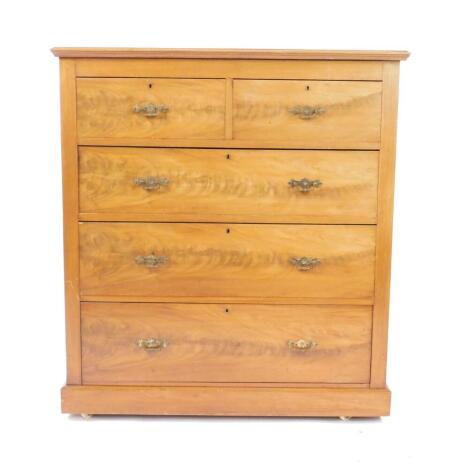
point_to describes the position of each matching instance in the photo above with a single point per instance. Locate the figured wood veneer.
(193, 108)
(217, 343)
(230, 129)
(211, 185)
(218, 260)
(349, 112)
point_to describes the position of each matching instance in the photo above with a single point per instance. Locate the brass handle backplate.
(152, 344)
(307, 112)
(301, 344)
(150, 109)
(305, 185)
(151, 261)
(304, 263)
(151, 183)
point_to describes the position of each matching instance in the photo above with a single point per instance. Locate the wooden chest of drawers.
(227, 229)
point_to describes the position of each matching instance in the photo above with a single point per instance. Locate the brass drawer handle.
(152, 344)
(150, 109)
(151, 183)
(305, 185)
(151, 261)
(307, 112)
(301, 344)
(304, 263)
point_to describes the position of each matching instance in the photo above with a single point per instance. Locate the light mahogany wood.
(197, 68)
(206, 260)
(218, 143)
(384, 223)
(228, 227)
(70, 218)
(228, 185)
(196, 108)
(226, 401)
(257, 384)
(229, 109)
(350, 112)
(264, 299)
(218, 343)
(277, 54)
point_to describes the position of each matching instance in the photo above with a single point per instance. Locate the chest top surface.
(276, 54)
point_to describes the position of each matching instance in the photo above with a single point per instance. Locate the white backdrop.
(425, 328)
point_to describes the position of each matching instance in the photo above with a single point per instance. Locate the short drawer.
(159, 108)
(217, 185)
(150, 343)
(317, 114)
(219, 260)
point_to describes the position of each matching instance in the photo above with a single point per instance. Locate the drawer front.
(149, 343)
(218, 260)
(158, 108)
(318, 114)
(228, 185)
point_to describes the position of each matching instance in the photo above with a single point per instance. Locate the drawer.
(228, 185)
(148, 343)
(158, 108)
(218, 260)
(318, 114)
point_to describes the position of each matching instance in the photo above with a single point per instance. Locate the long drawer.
(214, 185)
(159, 108)
(318, 114)
(150, 343)
(227, 260)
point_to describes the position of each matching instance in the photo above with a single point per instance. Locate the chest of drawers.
(227, 230)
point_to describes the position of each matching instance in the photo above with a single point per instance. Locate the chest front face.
(228, 231)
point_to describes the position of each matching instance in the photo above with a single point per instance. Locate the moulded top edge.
(269, 54)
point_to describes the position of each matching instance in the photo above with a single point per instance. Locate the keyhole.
(228, 230)
(150, 85)
(228, 157)
(307, 87)
(226, 310)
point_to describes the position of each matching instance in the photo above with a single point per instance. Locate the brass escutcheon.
(151, 261)
(301, 344)
(304, 263)
(305, 185)
(150, 109)
(152, 344)
(307, 112)
(151, 183)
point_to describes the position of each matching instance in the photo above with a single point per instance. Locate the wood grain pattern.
(224, 185)
(385, 224)
(206, 260)
(70, 219)
(196, 108)
(217, 343)
(229, 109)
(350, 115)
(197, 68)
(218, 143)
(257, 384)
(228, 228)
(226, 401)
(293, 54)
(264, 299)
